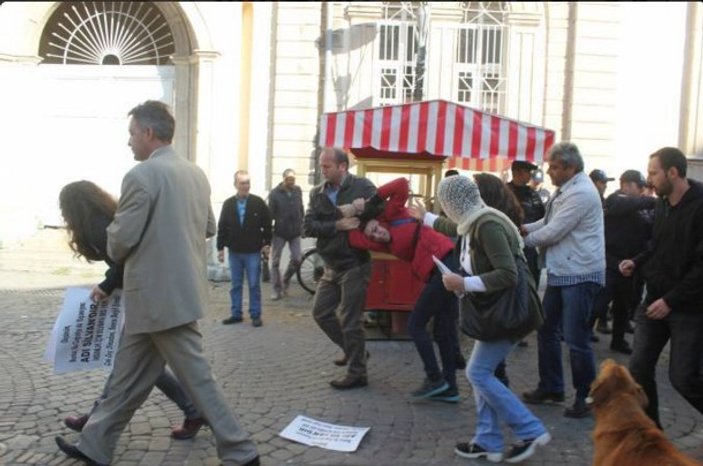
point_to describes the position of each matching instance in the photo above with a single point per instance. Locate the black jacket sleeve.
(619, 204)
(224, 225)
(113, 277)
(688, 290)
(320, 217)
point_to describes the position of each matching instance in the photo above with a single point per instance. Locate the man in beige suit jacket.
(159, 232)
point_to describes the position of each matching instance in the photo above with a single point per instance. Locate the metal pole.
(421, 32)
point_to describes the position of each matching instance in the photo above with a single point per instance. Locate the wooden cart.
(422, 139)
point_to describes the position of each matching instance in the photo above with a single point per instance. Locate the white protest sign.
(315, 433)
(85, 335)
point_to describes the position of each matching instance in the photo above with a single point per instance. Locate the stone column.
(195, 107)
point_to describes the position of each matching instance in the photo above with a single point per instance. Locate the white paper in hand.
(444, 270)
(440, 265)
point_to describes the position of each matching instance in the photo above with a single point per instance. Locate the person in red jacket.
(396, 232)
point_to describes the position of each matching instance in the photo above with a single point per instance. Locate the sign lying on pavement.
(315, 433)
(86, 335)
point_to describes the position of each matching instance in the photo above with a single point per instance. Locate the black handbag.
(506, 314)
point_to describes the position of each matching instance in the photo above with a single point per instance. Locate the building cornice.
(21, 59)
(197, 56)
(523, 18)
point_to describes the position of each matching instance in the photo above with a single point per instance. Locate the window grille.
(389, 79)
(479, 61)
(397, 50)
(465, 86)
(107, 33)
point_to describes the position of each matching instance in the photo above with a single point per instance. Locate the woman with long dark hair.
(495, 193)
(87, 210)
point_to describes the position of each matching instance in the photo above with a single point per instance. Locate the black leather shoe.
(579, 410)
(349, 381)
(539, 396)
(621, 347)
(73, 452)
(231, 320)
(343, 361)
(254, 462)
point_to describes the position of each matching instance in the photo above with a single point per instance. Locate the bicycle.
(310, 270)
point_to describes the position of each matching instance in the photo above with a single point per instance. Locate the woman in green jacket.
(488, 244)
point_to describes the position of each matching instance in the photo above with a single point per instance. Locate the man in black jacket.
(347, 270)
(627, 232)
(286, 206)
(673, 269)
(245, 229)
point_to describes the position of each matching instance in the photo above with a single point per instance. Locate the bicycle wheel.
(310, 271)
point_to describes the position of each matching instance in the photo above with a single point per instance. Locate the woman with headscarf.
(87, 210)
(488, 245)
(495, 193)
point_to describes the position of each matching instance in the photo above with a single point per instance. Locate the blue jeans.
(567, 311)
(238, 264)
(435, 301)
(495, 402)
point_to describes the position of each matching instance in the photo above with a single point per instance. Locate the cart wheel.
(310, 271)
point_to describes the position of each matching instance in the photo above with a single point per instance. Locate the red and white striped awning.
(438, 128)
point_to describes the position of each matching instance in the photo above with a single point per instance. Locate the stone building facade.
(249, 80)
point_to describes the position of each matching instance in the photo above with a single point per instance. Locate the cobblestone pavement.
(270, 375)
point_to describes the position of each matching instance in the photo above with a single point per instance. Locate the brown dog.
(624, 434)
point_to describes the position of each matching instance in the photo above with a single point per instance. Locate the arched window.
(107, 33)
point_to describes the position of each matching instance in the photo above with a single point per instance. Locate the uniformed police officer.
(531, 205)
